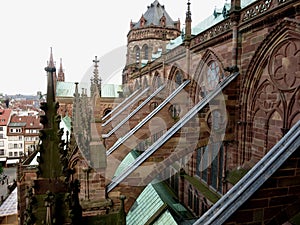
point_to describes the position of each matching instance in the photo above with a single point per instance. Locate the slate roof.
(154, 14)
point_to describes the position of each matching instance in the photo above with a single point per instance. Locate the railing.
(250, 183)
(121, 104)
(126, 106)
(163, 139)
(133, 112)
(147, 118)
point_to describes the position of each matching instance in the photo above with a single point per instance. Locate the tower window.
(145, 52)
(137, 54)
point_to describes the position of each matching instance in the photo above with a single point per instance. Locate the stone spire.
(188, 22)
(51, 79)
(96, 80)
(61, 74)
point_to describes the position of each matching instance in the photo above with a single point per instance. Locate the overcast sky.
(77, 30)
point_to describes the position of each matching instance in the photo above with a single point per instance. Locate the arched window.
(190, 197)
(174, 111)
(145, 82)
(213, 76)
(196, 203)
(145, 51)
(153, 105)
(137, 54)
(178, 79)
(136, 85)
(157, 82)
(106, 111)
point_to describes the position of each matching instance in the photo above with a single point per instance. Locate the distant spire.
(61, 74)
(51, 81)
(96, 80)
(51, 62)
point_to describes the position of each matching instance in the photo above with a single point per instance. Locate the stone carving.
(285, 66)
(257, 9)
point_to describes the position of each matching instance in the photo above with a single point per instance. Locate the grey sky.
(77, 30)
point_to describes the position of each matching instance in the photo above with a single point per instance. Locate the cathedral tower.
(149, 35)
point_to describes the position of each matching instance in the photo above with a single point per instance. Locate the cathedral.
(205, 129)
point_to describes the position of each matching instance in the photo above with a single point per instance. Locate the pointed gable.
(154, 16)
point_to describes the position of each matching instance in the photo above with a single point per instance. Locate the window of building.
(15, 130)
(10, 154)
(1, 136)
(153, 105)
(1, 143)
(1, 151)
(20, 138)
(210, 159)
(213, 76)
(21, 154)
(145, 52)
(190, 197)
(174, 110)
(106, 112)
(137, 54)
(15, 154)
(157, 82)
(1, 128)
(178, 79)
(196, 203)
(145, 82)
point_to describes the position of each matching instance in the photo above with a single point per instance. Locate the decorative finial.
(188, 13)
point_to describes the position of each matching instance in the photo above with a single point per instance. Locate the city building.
(207, 130)
(5, 115)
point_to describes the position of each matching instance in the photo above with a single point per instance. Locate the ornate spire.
(96, 81)
(61, 74)
(188, 13)
(188, 22)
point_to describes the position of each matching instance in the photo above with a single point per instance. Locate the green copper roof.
(65, 89)
(245, 3)
(67, 121)
(146, 205)
(153, 205)
(165, 219)
(126, 162)
(110, 90)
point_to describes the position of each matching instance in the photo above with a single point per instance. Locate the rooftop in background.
(4, 116)
(65, 89)
(111, 90)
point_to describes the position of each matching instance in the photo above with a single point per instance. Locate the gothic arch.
(176, 76)
(269, 90)
(208, 57)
